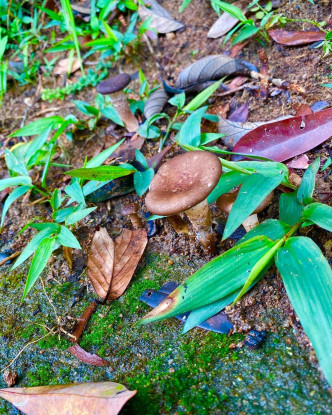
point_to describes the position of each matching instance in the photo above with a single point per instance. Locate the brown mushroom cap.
(183, 182)
(114, 84)
(129, 209)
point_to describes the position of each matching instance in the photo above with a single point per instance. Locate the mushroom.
(226, 201)
(182, 184)
(131, 210)
(114, 86)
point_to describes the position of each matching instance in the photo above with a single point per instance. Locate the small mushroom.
(182, 184)
(226, 201)
(131, 210)
(114, 86)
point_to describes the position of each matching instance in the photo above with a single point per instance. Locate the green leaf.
(306, 189)
(74, 191)
(39, 261)
(307, 277)
(148, 131)
(202, 97)
(78, 215)
(101, 173)
(178, 100)
(271, 228)
(104, 155)
(231, 9)
(111, 114)
(290, 210)
(268, 168)
(190, 132)
(226, 183)
(67, 238)
(61, 215)
(85, 107)
(319, 214)
(38, 127)
(33, 245)
(15, 194)
(142, 180)
(206, 138)
(37, 143)
(56, 200)
(217, 279)
(141, 159)
(15, 181)
(184, 4)
(252, 193)
(14, 164)
(245, 33)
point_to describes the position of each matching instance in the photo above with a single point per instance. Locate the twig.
(278, 82)
(239, 88)
(12, 256)
(53, 109)
(40, 200)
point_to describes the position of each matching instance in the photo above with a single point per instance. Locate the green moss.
(43, 375)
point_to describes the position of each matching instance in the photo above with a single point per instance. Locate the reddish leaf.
(84, 356)
(302, 109)
(240, 114)
(285, 37)
(282, 140)
(236, 82)
(97, 398)
(300, 162)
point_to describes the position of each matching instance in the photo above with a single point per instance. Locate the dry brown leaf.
(161, 20)
(96, 398)
(129, 247)
(86, 357)
(68, 255)
(82, 322)
(225, 23)
(100, 262)
(62, 66)
(126, 150)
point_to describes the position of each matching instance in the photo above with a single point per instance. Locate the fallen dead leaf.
(96, 398)
(224, 24)
(62, 66)
(68, 255)
(82, 322)
(84, 356)
(289, 38)
(126, 151)
(161, 20)
(300, 162)
(302, 109)
(240, 114)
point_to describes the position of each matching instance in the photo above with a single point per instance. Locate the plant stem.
(168, 131)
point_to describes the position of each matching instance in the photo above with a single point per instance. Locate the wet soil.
(199, 373)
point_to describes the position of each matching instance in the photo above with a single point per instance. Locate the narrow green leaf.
(206, 138)
(142, 180)
(39, 261)
(15, 194)
(101, 173)
(38, 127)
(253, 191)
(245, 33)
(56, 199)
(271, 228)
(74, 191)
(111, 114)
(141, 159)
(202, 97)
(37, 143)
(306, 189)
(15, 181)
(184, 4)
(226, 183)
(78, 215)
(268, 168)
(290, 210)
(231, 9)
(320, 214)
(61, 214)
(190, 132)
(178, 100)
(14, 164)
(104, 155)
(67, 238)
(217, 279)
(307, 277)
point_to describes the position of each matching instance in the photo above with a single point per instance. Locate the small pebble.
(10, 377)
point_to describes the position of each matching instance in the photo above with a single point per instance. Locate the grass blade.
(101, 173)
(306, 189)
(15, 194)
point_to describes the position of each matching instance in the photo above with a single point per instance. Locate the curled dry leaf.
(224, 24)
(155, 103)
(101, 262)
(161, 20)
(210, 68)
(96, 398)
(289, 38)
(284, 139)
(62, 66)
(84, 356)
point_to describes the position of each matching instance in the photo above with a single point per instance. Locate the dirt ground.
(266, 307)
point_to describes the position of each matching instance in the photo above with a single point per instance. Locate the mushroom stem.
(178, 224)
(122, 107)
(201, 220)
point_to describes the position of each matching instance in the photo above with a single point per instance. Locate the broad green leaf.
(226, 183)
(15, 194)
(320, 214)
(245, 33)
(37, 143)
(202, 97)
(190, 132)
(206, 138)
(231, 9)
(101, 173)
(46, 225)
(74, 191)
(92, 186)
(142, 180)
(111, 114)
(78, 215)
(141, 159)
(56, 199)
(217, 279)
(39, 261)
(306, 189)
(15, 181)
(268, 168)
(33, 245)
(252, 193)
(85, 107)
(61, 215)
(14, 164)
(104, 155)
(307, 277)
(178, 100)
(290, 210)
(271, 228)
(67, 238)
(148, 131)
(38, 127)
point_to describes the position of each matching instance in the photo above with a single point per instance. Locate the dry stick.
(53, 109)
(83, 321)
(278, 82)
(12, 256)
(239, 88)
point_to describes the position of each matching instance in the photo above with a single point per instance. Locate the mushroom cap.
(183, 182)
(114, 84)
(129, 209)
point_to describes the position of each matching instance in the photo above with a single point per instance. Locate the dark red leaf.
(285, 37)
(240, 114)
(288, 138)
(300, 162)
(84, 356)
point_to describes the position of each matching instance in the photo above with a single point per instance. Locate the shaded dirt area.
(198, 373)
